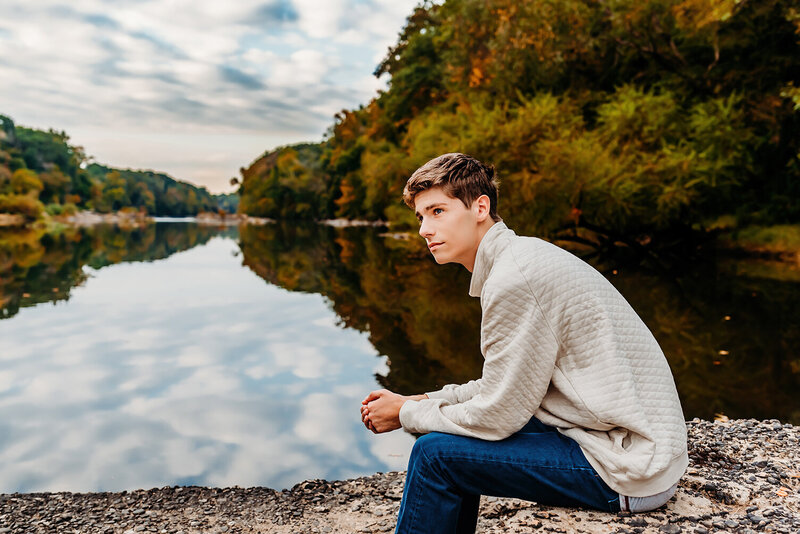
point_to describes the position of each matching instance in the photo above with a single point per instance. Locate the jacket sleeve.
(520, 352)
(455, 393)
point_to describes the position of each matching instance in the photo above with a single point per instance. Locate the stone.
(739, 491)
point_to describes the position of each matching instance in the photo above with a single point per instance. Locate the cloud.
(271, 13)
(240, 78)
(273, 71)
(320, 20)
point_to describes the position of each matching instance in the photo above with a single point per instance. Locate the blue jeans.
(447, 474)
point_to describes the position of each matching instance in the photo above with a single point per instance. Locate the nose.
(425, 229)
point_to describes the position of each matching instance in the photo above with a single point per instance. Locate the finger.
(372, 396)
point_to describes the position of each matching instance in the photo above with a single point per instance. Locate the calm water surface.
(185, 370)
(183, 354)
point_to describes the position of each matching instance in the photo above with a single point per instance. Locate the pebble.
(733, 477)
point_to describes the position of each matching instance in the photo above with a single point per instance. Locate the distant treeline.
(40, 171)
(634, 119)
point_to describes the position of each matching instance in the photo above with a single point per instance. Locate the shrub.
(24, 205)
(54, 209)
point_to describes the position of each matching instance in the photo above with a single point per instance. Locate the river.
(189, 354)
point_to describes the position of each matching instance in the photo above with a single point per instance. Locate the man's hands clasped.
(380, 410)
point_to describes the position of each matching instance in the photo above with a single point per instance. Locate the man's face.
(450, 229)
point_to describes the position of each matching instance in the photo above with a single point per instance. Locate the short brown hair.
(460, 176)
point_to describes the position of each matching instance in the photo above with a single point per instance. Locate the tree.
(25, 182)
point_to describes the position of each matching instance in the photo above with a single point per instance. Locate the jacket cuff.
(412, 414)
(446, 394)
(407, 414)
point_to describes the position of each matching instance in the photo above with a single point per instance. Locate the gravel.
(743, 477)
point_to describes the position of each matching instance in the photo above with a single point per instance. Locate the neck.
(483, 227)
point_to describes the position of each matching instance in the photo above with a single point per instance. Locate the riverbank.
(780, 242)
(125, 219)
(743, 477)
(776, 243)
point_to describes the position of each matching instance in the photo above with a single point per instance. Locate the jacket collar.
(495, 240)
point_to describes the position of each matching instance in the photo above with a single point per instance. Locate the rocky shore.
(90, 218)
(744, 477)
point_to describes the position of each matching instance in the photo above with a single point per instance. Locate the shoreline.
(743, 476)
(739, 248)
(736, 243)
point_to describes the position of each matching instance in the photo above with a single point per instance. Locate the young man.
(576, 405)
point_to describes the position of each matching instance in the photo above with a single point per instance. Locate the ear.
(482, 205)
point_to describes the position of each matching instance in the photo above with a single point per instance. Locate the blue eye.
(437, 211)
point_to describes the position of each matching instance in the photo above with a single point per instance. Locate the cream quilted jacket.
(560, 343)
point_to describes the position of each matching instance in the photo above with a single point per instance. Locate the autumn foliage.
(625, 120)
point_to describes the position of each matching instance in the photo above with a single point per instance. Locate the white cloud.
(320, 20)
(7, 380)
(270, 72)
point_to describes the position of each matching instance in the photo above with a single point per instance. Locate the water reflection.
(730, 329)
(188, 370)
(416, 312)
(177, 365)
(38, 266)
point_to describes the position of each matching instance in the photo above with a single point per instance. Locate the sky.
(193, 88)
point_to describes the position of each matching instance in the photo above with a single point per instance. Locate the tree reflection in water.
(37, 266)
(416, 313)
(730, 329)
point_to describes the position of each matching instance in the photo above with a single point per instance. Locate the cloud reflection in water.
(189, 370)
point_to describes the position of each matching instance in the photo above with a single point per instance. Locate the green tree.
(637, 122)
(25, 182)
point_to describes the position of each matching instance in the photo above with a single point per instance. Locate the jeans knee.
(429, 448)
